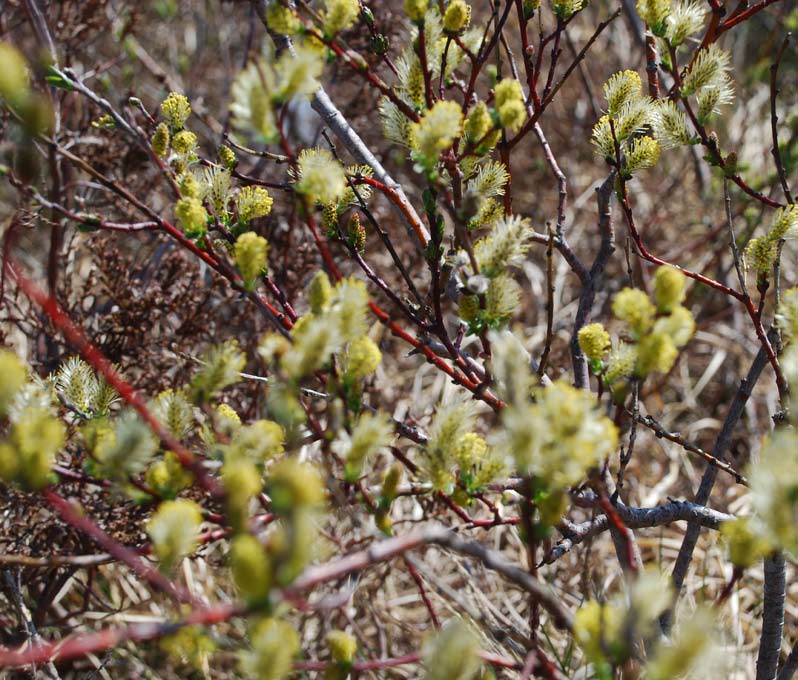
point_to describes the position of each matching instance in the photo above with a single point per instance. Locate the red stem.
(78, 646)
(73, 516)
(422, 589)
(626, 533)
(95, 358)
(394, 197)
(743, 16)
(476, 388)
(742, 297)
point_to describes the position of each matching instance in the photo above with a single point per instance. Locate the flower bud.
(250, 255)
(509, 99)
(679, 325)
(383, 522)
(26, 458)
(13, 73)
(320, 177)
(191, 217)
(760, 254)
(633, 306)
(160, 139)
(274, 645)
(281, 20)
(452, 654)
(457, 16)
(340, 15)
(253, 202)
(362, 358)
(227, 156)
(656, 354)
(390, 484)
(342, 646)
(478, 123)
(416, 9)
(174, 529)
(189, 187)
(175, 109)
(655, 14)
(294, 485)
(435, 132)
(184, 141)
(594, 341)
(642, 153)
(14, 374)
(357, 233)
(669, 285)
(167, 476)
(371, 433)
(319, 292)
(251, 568)
(329, 218)
(241, 482)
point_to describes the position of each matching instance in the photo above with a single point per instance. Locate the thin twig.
(657, 428)
(738, 265)
(549, 305)
(591, 284)
(13, 590)
(774, 119)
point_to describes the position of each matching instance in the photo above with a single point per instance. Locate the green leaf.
(428, 199)
(92, 223)
(55, 78)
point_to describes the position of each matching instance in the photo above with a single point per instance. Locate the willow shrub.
(563, 335)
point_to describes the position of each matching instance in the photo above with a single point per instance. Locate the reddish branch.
(625, 532)
(419, 229)
(740, 17)
(95, 358)
(79, 645)
(422, 591)
(742, 297)
(472, 522)
(74, 516)
(476, 388)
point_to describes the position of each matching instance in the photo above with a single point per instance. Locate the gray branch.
(12, 589)
(710, 474)
(592, 280)
(493, 560)
(790, 665)
(767, 662)
(384, 550)
(334, 119)
(638, 518)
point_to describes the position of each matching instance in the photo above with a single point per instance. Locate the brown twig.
(774, 119)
